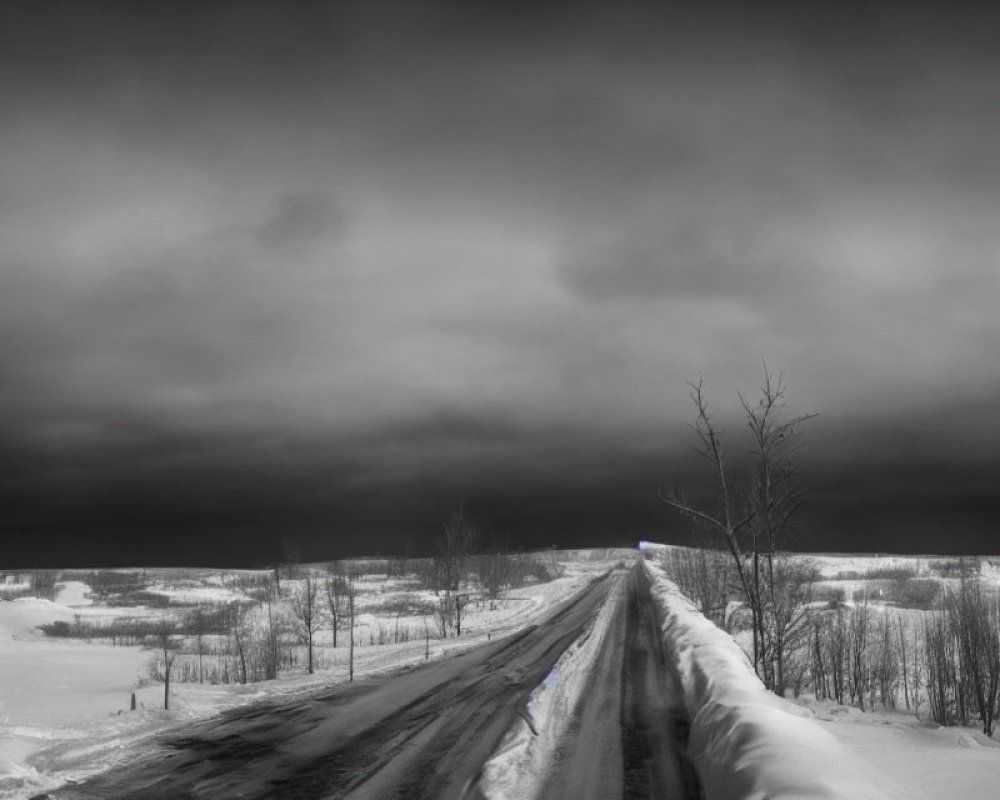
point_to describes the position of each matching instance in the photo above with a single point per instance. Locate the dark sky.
(317, 273)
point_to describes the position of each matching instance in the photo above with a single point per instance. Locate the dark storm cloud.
(300, 218)
(341, 264)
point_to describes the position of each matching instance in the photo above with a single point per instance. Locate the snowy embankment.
(745, 741)
(518, 769)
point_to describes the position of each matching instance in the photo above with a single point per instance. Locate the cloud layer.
(436, 251)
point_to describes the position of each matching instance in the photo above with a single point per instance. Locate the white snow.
(47, 686)
(831, 565)
(60, 698)
(927, 762)
(518, 768)
(745, 741)
(19, 618)
(73, 593)
(194, 595)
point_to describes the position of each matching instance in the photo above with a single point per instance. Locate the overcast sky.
(318, 273)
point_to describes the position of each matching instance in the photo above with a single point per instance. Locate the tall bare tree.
(272, 590)
(754, 522)
(351, 593)
(237, 639)
(304, 607)
(774, 499)
(161, 665)
(976, 631)
(454, 548)
(724, 520)
(337, 589)
(198, 626)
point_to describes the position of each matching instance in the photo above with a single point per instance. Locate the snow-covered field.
(64, 703)
(924, 761)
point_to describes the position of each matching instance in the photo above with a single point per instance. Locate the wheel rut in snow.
(628, 733)
(424, 733)
(654, 722)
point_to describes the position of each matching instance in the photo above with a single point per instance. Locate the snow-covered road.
(423, 733)
(628, 734)
(427, 732)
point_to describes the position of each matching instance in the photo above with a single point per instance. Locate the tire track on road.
(425, 732)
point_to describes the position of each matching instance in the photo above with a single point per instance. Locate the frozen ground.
(59, 702)
(60, 698)
(926, 762)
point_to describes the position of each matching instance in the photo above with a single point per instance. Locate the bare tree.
(974, 623)
(837, 652)
(903, 654)
(445, 615)
(703, 574)
(161, 665)
(496, 572)
(724, 522)
(460, 601)
(454, 546)
(304, 608)
(942, 681)
(858, 630)
(775, 497)
(754, 524)
(237, 639)
(790, 591)
(337, 590)
(198, 626)
(351, 592)
(273, 589)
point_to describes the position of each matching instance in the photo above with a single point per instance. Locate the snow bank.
(927, 761)
(19, 618)
(746, 742)
(518, 768)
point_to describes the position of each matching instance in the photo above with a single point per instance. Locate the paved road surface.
(425, 733)
(628, 734)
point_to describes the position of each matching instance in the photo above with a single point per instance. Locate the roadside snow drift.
(518, 769)
(746, 742)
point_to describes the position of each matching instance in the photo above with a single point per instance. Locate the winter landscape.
(448, 400)
(868, 710)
